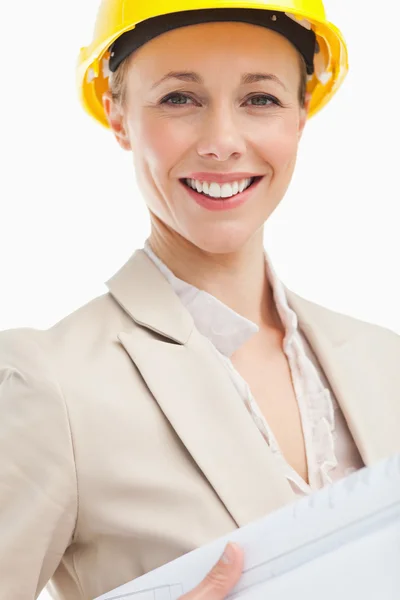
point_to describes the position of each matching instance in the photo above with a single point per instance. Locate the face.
(217, 103)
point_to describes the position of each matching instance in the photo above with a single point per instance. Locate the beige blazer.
(124, 444)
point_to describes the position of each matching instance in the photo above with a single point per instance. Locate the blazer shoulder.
(94, 324)
(336, 324)
(20, 350)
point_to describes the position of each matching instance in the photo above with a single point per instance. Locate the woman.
(199, 393)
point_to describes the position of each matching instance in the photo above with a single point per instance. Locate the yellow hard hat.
(117, 17)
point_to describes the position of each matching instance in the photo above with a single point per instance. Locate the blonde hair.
(117, 81)
(303, 81)
(118, 88)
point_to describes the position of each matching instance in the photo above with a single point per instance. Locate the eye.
(264, 100)
(176, 99)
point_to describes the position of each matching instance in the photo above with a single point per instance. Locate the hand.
(222, 578)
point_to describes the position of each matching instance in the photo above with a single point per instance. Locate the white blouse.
(330, 450)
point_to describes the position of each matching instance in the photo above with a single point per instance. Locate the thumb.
(222, 578)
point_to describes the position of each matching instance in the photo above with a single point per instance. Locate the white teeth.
(216, 190)
(226, 190)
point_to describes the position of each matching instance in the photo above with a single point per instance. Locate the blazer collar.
(144, 293)
(360, 361)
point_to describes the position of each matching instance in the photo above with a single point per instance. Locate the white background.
(71, 213)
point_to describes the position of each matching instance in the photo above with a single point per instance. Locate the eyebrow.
(246, 79)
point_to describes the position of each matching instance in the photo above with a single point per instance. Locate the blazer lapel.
(361, 363)
(196, 394)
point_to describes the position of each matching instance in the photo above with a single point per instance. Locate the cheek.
(157, 149)
(278, 143)
(163, 140)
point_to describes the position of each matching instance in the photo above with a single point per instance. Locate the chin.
(220, 238)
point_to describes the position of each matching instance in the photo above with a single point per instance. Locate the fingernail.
(228, 556)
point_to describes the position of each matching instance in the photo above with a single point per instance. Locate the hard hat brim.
(93, 63)
(304, 40)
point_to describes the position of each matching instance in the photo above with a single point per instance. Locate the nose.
(221, 137)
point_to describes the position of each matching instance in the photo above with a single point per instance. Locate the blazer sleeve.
(38, 488)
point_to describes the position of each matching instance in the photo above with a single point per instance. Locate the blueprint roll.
(342, 542)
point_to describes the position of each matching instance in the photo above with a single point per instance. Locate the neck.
(238, 279)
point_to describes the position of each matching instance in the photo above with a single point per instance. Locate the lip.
(221, 177)
(219, 204)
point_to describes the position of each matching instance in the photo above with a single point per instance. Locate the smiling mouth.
(219, 192)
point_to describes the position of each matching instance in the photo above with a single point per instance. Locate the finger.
(222, 578)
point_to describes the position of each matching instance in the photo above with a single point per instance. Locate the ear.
(303, 115)
(115, 118)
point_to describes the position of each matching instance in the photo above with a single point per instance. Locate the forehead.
(231, 44)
